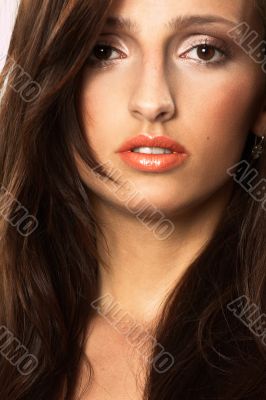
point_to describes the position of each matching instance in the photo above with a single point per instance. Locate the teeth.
(151, 150)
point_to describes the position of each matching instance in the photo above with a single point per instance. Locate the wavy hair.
(49, 257)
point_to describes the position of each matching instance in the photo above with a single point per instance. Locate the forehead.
(140, 16)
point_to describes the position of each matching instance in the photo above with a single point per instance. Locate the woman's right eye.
(102, 52)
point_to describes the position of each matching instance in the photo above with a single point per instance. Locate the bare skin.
(199, 104)
(115, 363)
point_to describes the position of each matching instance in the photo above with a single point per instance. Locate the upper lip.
(152, 141)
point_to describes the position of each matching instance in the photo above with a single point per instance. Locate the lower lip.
(153, 162)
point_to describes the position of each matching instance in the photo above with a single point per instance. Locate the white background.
(8, 11)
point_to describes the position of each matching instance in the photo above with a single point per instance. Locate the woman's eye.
(205, 53)
(103, 53)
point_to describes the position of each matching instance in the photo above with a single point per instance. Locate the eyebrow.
(126, 24)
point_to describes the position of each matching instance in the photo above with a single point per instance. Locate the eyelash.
(104, 63)
(210, 43)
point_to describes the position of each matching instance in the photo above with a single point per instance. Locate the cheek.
(100, 105)
(218, 112)
(216, 115)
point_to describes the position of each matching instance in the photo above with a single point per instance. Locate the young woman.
(132, 171)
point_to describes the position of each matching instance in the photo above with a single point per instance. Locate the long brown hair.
(48, 246)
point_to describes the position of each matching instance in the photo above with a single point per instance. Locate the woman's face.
(157, 82)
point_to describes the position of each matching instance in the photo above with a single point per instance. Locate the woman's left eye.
(205, 53)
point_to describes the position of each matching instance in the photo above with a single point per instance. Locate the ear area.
(259, 127)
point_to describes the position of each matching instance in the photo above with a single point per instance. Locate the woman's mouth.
(154, 154)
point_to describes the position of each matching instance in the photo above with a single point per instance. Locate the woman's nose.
(151, 98)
